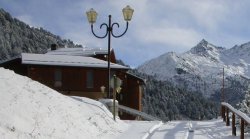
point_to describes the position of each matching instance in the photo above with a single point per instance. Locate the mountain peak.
(245, 46)
(203, 42)
(242, 51)
(204, 48)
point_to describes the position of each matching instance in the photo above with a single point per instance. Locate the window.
(58, 78)
(89, 79)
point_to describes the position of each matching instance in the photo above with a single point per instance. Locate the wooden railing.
(138, 113)
(244, 119)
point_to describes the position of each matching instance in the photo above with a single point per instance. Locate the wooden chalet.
(79, 72)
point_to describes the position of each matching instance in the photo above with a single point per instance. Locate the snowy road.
(212, 129)
(138, 129)
(171, 130)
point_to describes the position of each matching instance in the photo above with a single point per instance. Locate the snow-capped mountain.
(200, 69)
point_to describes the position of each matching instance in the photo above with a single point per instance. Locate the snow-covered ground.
(30, 110)
(213, 129)
(140, 129)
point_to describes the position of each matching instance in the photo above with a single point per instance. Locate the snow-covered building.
(79, 72)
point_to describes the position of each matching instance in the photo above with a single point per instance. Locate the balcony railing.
(244, 119)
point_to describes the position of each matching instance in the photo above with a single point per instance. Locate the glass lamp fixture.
(127, 13)
(92, 15)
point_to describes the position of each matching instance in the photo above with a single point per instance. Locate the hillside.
(31, 110)
(17, 37)
(169, 102)
(200, 69)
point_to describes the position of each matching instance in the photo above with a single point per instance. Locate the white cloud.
(169, 36)
(208, 13)
(205, 13)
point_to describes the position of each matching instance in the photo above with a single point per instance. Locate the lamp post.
(116, 85)
(92, 15)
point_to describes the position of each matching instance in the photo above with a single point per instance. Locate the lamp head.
(127, 13)
(92, 15)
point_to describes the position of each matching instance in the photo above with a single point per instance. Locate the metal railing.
(244, 119)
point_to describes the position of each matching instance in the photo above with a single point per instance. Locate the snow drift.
(29, 109)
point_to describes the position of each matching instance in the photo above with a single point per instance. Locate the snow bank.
(29, 109)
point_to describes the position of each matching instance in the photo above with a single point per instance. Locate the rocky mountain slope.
(201, 68)
(17, 37)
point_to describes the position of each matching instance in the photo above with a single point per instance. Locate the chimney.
(53, 47)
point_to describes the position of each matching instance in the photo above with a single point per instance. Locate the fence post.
(233, 125)
(223, 113)
(242, 124)
(227, 120)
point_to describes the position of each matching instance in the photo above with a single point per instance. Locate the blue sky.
(157, 26)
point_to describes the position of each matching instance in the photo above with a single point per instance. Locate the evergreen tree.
(244, 106)
(17, 37)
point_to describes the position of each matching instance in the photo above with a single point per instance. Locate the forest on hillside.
(17, 37)
(169, 102)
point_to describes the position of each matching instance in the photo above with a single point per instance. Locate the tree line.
(17, 37)
(171, 102)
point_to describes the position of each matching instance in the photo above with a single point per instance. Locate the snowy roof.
(66, 60)
(10, 59)
(137, 77)
(85, 51)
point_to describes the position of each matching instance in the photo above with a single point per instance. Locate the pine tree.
(245, 104)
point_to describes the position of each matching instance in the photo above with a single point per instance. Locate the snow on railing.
(138, 113)
(237, 112)
(225, 109)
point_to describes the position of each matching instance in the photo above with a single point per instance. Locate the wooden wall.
(131, 95)
(73, 80)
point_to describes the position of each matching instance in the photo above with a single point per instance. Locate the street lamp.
(92, 16)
